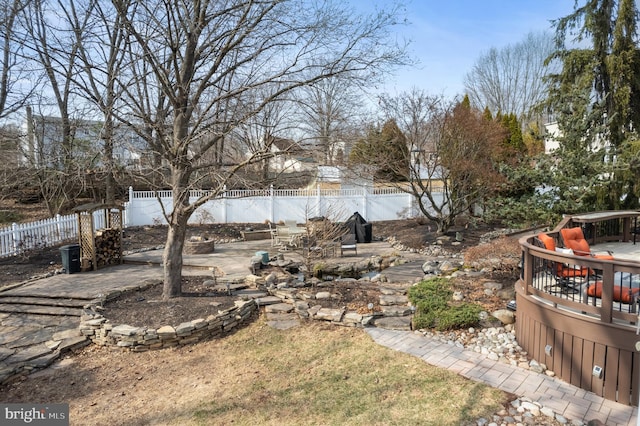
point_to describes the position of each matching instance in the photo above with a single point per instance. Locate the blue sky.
(448, 36)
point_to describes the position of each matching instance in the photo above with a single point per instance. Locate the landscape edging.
(100, 331)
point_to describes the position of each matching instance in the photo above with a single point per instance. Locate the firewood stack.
(108, 250)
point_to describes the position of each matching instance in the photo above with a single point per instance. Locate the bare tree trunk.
(172, 256)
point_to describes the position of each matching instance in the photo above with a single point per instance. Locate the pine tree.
(595, 99)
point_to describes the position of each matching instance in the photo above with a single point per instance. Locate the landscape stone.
(279, 308)
(505, 316)
(387, 300)
(393, 323)
(125, 330)
(327, 314)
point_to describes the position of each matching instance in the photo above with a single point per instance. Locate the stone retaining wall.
(95, 326)
(199, 247)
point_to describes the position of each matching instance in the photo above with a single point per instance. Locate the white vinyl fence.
(257, 206)
(19, 238)
(236, 206)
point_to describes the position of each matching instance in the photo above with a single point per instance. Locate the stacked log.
(108, 247)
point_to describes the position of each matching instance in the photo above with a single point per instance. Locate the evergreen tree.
(594, 98)
(386, 150)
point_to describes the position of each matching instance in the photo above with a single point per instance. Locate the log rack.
(99, 247)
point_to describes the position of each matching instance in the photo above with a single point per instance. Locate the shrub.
(432, 299)
(500, 255)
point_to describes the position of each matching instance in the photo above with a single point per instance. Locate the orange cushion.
(603, 256)
(574, 239)
(549, 242)
(620, 294)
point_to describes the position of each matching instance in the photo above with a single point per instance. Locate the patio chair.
(626, 295)
(348, 242)
(567, 278)
(573, 238)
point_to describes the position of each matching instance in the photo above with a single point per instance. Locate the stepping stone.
(387, 300)
(41, 310)
(269, 300)
(329, 314)
(28, 354)
(391, 289)
(44, 361)
(43, 301)
(279, 308)
(73, 343)
(251, 294)
(31, 338)
(232, 287)
(393, 323)
(396, 311)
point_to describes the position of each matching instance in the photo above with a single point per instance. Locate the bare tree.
(328, 109)
(451, 148)
(258, 132)
(100, 40)
(511, 79)
(14, 66)
(200, 59)
(60, 155)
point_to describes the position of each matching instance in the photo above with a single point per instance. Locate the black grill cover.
(357, 225)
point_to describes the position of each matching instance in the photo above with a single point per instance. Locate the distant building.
(42, 143)
(289, 156)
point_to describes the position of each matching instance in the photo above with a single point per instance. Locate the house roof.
(287, 145)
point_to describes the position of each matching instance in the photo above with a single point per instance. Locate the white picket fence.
(20, 238)
(234, 206)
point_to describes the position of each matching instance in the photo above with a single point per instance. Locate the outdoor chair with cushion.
(573, 238)
(566, 277)
(626, 295)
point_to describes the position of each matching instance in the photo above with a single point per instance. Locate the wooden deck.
(578, 336)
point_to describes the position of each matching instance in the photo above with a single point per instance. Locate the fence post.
(318, 201)
(128, 209)
(15, 238)
(365, 201)
(224, 204)
(272, 204)
(59, 229)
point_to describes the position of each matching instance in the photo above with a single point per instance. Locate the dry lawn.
(312, 375)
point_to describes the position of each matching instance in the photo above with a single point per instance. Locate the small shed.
(99, 236)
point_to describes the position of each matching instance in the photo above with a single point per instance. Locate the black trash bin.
(70, 258)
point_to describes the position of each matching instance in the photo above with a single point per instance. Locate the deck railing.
(556, 278)
(587, 341)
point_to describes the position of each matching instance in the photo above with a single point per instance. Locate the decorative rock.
(279, 308)
(431, 267)
(387, 300)
(393, 323)
(326, 314)
(505, 316)
(166, 332)
(323, 295)
(125, 330)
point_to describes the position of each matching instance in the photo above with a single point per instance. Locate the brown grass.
(311, 375)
